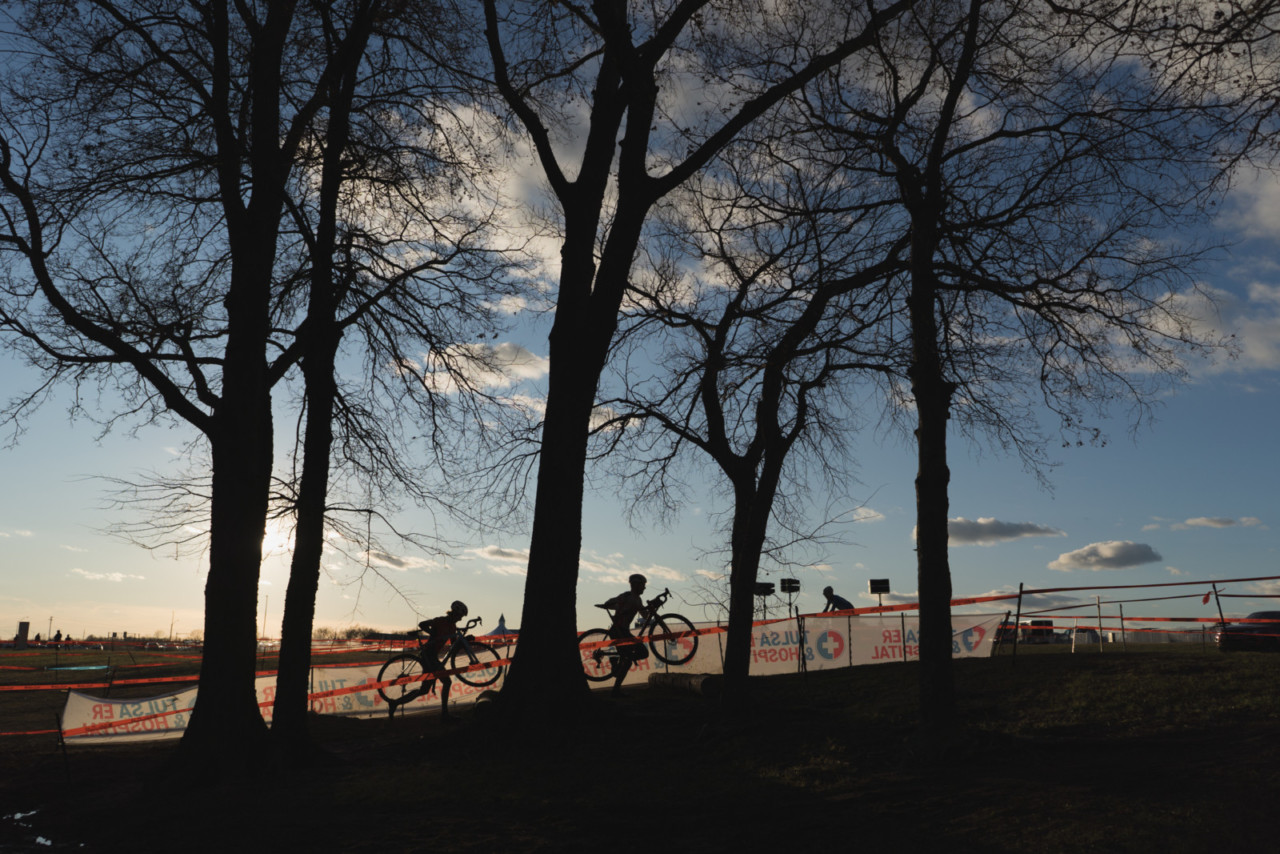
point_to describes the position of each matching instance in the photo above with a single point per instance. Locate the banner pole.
(1124, 638)
(804, 667)
(1017, 627)
(903, 623)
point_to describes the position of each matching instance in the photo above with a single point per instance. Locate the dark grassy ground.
(1173, 748)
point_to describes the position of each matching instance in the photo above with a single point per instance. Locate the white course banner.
(345, 691)
(777, 646)
(827, 642)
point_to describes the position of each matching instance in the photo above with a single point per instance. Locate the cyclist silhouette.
(626, 606)
(439, 631)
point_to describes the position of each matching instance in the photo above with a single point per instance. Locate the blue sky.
(1190, 498)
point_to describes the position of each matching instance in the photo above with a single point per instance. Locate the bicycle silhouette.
(475, 663)
(672, 638)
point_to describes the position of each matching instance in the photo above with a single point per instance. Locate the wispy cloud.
(402, 563)
(864, 514)
(501, 560)
(610, 568)
(115, 577)
(1216, 522)
(987, 531)
(1113, 554)
(1030, 601)
(480, 365)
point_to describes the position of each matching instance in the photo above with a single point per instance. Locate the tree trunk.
(293, 683)
(753, 501)
(933, 570)
(547, 669)
(226, 735)
(322, 337)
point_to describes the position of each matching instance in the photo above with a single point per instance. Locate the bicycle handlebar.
(472, 623)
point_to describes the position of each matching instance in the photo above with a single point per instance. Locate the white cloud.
(482, 365)
(1264, 588)
(890, 598)
(987, 531)
(1217, 522)
(115, 577)
(1030, 601)
(502, 561)
(510, 304)
(1253, 321)
(1113, 554)
(865, 514)
(1255, 205)
(401, 563)
(1206, 522)
(610, 568)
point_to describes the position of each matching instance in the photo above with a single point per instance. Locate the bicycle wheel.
(480, 654)
(598, 661)
(672, 650)
(404, 665)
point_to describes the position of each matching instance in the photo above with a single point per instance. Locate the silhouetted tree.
(384, 249)
(624, 66)
(1041, 174)
(753, 354)
(146, 155)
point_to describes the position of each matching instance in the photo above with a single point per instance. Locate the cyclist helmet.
(638, 579)
(458, 608)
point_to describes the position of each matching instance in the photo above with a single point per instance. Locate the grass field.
(1172, 747)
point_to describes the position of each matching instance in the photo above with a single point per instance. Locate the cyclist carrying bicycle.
(625, 607)
(439, 631)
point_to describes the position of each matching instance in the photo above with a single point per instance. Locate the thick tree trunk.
(322, 337)
(293, 684)
(547, 670)
(227, 735)
(933, 570)
(750, 523)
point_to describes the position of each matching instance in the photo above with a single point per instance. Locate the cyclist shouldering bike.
(439, 631)
(626, 606)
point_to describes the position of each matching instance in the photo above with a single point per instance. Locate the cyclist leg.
(628, 654)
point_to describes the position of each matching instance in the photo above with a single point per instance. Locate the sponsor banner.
(777, 646)
(349, 691)
(97, 720)
(845, 641)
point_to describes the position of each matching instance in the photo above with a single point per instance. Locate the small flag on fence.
(1205, 600)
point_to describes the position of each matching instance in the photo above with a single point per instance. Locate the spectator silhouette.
(835, 602)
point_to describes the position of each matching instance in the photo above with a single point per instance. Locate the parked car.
(1249, 635)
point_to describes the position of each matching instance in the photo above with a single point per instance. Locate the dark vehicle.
(1037, 631)
(1258, 631)
(1033, 631)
